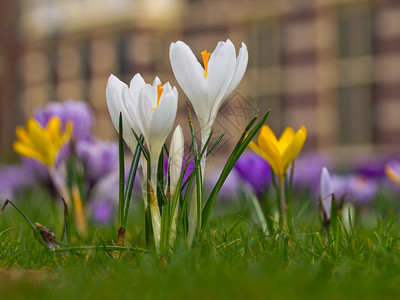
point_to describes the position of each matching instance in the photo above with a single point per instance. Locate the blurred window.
(85, 60)
(266, 39)
(125, 63)
(354, 33)
(355, 115)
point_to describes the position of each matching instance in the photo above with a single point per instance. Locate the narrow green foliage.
(160, 181)
(121, 174)
(31, 225)
(199, 180)
(257, 209)
(131, 182)
(67, 223)
(214, 144)
(142, 147)
(237, 151)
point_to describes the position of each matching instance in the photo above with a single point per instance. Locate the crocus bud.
(176, 157)
(175, 166)
(327, 190)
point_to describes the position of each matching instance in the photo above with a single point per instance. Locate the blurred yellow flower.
(393, 172)
(279, 153)
(41, 143)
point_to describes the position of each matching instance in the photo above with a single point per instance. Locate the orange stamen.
(159, 93)
(206, 57)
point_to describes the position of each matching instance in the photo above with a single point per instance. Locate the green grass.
(234, 261)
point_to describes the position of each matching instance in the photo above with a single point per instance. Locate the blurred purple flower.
(307, 170)
(99, 158)
(78, 112)
(231, 187)
(13, 179)
(102, 211)
(354, 187)
(189, 169)
(254, 170)
(103, 198)
(373, 168)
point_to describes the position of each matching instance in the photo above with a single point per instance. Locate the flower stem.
(282, 198)
(154, 209)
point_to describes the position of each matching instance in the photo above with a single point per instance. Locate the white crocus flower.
(176, 150)
(124, 99)
(157, 106)
(207, 87)
(327, 190)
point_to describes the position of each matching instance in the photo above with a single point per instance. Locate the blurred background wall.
(332, 65)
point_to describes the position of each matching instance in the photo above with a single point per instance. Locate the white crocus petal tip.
(156, 81)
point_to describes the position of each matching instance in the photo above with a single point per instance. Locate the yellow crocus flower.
(41, 143)
(279, 153)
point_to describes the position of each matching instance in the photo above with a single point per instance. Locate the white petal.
(118, 94)
(114, 99)
(156, 81)
(147, 99)
(240, 69)
(176, 151)
(190, 76)
(219, 46)
(162, 121)
(326, 186)
(220, 73)
(136, 85)
(167, 88)
(127, 119)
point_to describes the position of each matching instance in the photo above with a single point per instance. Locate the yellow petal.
(53, 131)
(285, 139)
(23, 136)
(264, 155)
(392, 174)
(268, 143)
(69, 129)
(24, 150)
(294, 147)
(38, 136)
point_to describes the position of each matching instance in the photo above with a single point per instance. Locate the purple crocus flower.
(307, 170)
(254, 170)
(13, 179)
(364, 189)
(78, 112)
(103, 198)
(231, 187)
(355, 187)
(372, 168)
(99, 158)
(189, 169)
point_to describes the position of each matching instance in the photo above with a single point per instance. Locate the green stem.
(282, 198)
